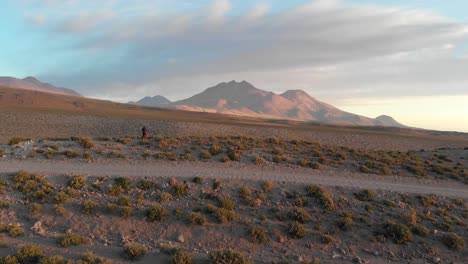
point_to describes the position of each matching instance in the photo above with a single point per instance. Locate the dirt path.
(239, 172)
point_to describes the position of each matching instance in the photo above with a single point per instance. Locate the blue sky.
(368, 57)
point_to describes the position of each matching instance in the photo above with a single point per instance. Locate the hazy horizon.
(405, 59)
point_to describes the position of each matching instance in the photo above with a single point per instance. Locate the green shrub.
(86, 142)
(453, 241)
(77, 182)
(4, 204)
(91, 258)
(145, 185)
(181, 257)
(322, 196)
(224, 216)
(345, 222)
(124, 183)
(87, 156)
(420, 230)
(134, 251)
(228, 257)
(205, 155)
(60, 210)
(126, 212)
(398, 232)
(29, 254)
(215, 149)
(88, 207)
(124, 201)
(54, 260)
(300, 215)
(258, 235)
(9, 260)
(416, 170)
(233, 155)
(179, 190)
(197, 218)
(327, 239)
(71, 154)
(165, 197)
(217, 185)
(426, 200)
(267, 186)
(35, 209)
(61, 197)
(157, 213)
(198, 180)
(365, 195)
(69, 240)
(297, 230)
(15, 230)
(227, 204)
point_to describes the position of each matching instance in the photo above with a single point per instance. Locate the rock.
(282, 239)
(336, 255)
(181, 238)
(173, 182)
(436, 260)
(375, 253)
(358, 260)
(38, 229)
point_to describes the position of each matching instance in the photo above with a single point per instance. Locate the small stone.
(38, 228)
(181, 238)
(335, 256)
(375, 253)
(173, 182)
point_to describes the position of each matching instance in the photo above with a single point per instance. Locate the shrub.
(29, 254)
(365, 195)
(157, 213)
(54, 260)
(198, 180)
(228, 257)
(145, 185)
(86, 142)
(35, 209)
(124, 183)
(61, 197)
(69, 240)
(345, 223)
(165, 197)
(258, 235)
(205, 155)
(224, 159)
(88, 207)
(60, 210)
(416, 170)
(420, 230)
(426, 200)
(15, 230)
(17, 140)
(224, 216)
(9, 260)
(297, 230)
(181, 257)
(215, 149)
(267, 186)
(126, 212)
(179, 190)
(233, 155)
(71, 154)
(217, 185)
(91, 258)
(2, 152)
(77, 182)
(410, 218)
(398, 232)
(197, 218)
(124, 201)
(322, 196)
(4, 204)
(300, 215)
(227, 204)
(453, 241)
(134, 251)
(327, 239)
(87, 156)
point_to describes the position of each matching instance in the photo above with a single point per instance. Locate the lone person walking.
(144, 133)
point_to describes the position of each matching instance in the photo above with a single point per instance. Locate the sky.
(403, 58)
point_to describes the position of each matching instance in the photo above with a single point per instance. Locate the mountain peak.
(31, 79)
(157, 100)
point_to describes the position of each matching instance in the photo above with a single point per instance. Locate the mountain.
(31, 83)
(242, 98)
(157, 100)
(388, 121)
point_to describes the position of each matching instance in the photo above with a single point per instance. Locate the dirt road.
(239, 172)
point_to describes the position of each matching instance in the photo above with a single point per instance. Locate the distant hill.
(157, 100)
(242, 98)
(31, 83)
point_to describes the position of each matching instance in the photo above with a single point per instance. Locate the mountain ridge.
(31, 83)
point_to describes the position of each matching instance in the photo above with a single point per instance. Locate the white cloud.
(217, 12)
(257, 12)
